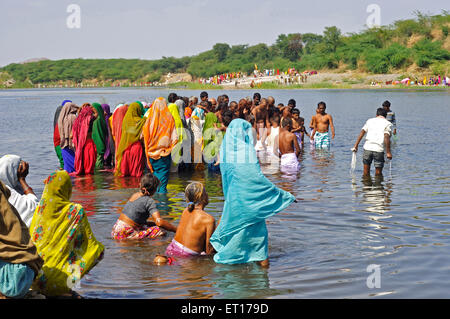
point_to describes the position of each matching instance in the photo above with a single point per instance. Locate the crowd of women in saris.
(48, 244)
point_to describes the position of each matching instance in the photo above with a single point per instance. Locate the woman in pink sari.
(85, 149)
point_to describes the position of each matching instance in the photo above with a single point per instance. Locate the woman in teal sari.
(99, 134)
(250, 198)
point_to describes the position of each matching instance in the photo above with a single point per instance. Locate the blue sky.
(152, 29)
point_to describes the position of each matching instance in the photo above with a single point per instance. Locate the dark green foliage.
(378, 50)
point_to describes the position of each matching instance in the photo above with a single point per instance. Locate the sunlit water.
(319, 247)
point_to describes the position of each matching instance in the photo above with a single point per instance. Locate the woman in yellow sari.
(62, 235)
(129, 154)
(160, 137)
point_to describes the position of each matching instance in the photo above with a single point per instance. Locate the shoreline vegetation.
(408, 54)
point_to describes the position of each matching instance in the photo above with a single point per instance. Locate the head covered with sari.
(65, 121)
(63, 237)
(108, 139)
(132, 125)
(9, 164)
(99, 129)
(160, 135)
(80, 131)
(116, 123)
(174, 110)
(250, 198)
(58, 111)
(16, 246)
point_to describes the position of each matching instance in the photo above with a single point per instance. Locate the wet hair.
(257, 95)
(205, 104)
(203, 94)
(172, 97)
(321, 103)
(280, 105)
(227, 118)
(195, 193)
(270, 100)
(150, 182)
(225, 96)
(381, 111)
(287, 121)
(275, 119)
(292, 102)
(295, 111)
(386, 104)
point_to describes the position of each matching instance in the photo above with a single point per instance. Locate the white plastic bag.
(353, 164)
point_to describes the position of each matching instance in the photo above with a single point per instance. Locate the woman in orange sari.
(130, 153)
(160, 137)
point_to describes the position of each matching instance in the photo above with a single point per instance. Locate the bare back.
(195, 229)
(287, 142)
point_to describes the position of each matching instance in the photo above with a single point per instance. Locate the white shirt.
(25, 205)
(375, 129)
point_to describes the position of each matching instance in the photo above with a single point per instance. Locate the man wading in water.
(322, 122)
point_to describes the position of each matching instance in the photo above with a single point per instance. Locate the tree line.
(376, 50)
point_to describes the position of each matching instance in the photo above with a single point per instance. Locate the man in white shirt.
(378, 131)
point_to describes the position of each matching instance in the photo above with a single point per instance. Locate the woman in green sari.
(99, 134)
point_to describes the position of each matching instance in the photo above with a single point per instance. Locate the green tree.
(221, 51)
(332, 38)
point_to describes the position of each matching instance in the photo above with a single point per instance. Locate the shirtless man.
(195, 227)
(261, 114)
(234, 108)
(271, 107)
(256, 99)
(322, 123)
(213, 102)
(287, 147)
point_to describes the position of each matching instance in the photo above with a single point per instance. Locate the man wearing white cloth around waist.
(286, 147)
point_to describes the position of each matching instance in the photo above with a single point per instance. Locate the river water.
(343, 231)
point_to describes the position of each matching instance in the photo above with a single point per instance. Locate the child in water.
(195, 227)
(133, 222)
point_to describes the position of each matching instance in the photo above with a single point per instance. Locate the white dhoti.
(289, 163)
